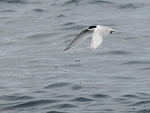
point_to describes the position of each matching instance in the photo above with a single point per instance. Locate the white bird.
(98, 32)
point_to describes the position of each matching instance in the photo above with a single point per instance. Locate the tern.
(98, 32)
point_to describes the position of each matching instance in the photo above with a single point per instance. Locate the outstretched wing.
(85, 33)
(96, 39)
(99, 33)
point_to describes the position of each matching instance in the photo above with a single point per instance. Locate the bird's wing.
(85, 33)
(96, 39)
(99, 33)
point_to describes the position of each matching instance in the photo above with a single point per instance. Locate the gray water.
(37, 76)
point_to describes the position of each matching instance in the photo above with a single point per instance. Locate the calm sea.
(37, 76)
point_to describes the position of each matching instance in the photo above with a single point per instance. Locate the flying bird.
(97, 32)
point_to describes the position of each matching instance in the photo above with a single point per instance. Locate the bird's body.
(98, 32)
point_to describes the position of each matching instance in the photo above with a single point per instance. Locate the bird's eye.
(91, 27)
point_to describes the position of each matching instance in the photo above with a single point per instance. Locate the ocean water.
(37, 76)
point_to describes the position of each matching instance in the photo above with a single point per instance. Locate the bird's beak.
(112, 30)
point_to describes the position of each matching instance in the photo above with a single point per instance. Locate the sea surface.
(37, 76)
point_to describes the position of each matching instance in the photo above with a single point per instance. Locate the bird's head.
(112, 30)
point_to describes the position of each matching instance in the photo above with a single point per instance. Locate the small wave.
(6, 11)
(122, 100)
(71, 2)
(136, 96)
(68, 23)
(74, 65)
(7, 97)
(76, 87)
(30, 104)
(117, 52)
(38, 10)
(56, 85)
(136, 62)
(13, 1)
(128, 6)
(61, 15)
(130, 96)
(100, 96)
(147, 68)
(61, 106)
(39, 36)
(144, 111)
(82, 99)
(144, 94)
(56, 112)
(101, 2)
(120, 52)
(141, 103)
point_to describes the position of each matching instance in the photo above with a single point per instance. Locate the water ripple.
(130, 96)
(141, 103)
(116, 52)
(57, 85)
(144, 111)
(71, 2)
(137, 62)
(38, 77)
(76, 87)
(61, 15)
(56, 112)
(31, 104)
(39, 36)
(6, 11)
(101, 2)
(63, 106)
(147, 68)
(120, 52)
(128, 6)
(16, 97)
(82, 99)
(68, 24)
(14, 1)
(38, 10)
(100, 96)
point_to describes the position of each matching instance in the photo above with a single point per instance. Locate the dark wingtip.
(66, 48)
